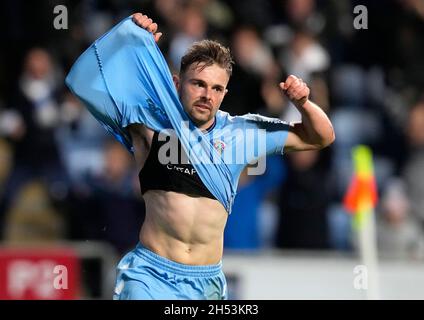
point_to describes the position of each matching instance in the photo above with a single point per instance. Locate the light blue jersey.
(123, 79)
(243, 140)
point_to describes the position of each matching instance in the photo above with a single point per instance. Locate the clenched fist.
(296, 90)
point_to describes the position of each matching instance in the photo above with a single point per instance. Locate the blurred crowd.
(62, 177)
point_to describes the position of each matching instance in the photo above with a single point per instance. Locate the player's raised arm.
(143, 21)
(315, 131)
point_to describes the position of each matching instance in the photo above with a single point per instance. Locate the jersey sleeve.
(123, 78)
(270, 134)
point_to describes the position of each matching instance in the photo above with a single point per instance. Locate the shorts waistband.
(211, 270)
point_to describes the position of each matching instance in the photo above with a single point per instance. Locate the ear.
(176, 80)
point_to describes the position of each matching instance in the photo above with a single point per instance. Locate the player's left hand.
(296, 90)
(145, 22)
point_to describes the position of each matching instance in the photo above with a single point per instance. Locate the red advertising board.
(39, 274)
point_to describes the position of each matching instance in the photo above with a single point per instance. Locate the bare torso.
(179, 227)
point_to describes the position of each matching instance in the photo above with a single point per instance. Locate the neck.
(207, 126)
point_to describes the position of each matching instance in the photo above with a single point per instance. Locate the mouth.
(202, 106)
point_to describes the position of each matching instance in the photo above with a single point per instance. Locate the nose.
(207, 94)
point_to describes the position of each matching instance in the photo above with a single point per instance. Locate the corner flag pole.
(360, 200)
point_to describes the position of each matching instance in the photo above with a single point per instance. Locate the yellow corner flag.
(361, 197)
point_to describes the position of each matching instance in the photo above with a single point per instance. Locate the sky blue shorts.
(144, 275)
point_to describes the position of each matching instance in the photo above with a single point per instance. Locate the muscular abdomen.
(182, 228)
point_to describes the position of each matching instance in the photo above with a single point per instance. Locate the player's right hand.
(145, 22)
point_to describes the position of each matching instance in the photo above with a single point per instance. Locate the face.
(201, 92)
(38, 63)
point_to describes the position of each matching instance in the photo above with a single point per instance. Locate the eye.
(218, 89)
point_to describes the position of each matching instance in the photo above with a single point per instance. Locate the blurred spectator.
(36, 102)
(413, 171)
(192, 27)
(245, 229)
(80, 136)
(289, 16)
(303, 13)
(32, 216)
(353, 122)
(252, 54)
(35, 115)
(166, 10)
(304, 201)
(107, 206)
(309, 60)
(405, 44)
(398, 233)
(254, 62)
(305, 56)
